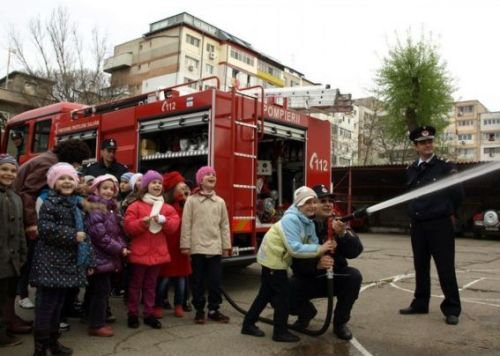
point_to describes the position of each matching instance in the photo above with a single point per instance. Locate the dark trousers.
(207, 270)
(435, 238)
(23, 283)
(143, 280)
(274, 289)
(98, 291)
(7, 292)
(346, 286)
(179, 284)
(48, 306)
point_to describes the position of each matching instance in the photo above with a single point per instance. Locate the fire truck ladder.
(245, 132)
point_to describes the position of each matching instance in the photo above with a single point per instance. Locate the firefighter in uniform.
(309, 275)
(432, 228)
(107, 163)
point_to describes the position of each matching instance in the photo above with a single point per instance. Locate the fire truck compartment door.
(175, 122)
(291, 133)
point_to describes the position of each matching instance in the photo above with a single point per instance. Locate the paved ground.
(388, 284)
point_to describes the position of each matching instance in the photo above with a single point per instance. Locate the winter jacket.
(293, 236)
(13, 251)
(31, 179)
(104, 229)
(205, 225)
(180, 264)
(147, 248)
(55, 258)
(348, 246)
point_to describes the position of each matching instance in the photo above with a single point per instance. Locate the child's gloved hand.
(160, 219)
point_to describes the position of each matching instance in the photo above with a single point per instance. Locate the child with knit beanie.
(104, 229)
(62, 258)
(13, 251)
(205, 236)
(179, 268)
(148, 222)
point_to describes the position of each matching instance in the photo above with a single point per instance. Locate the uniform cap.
(322, 192)
(109, 143)
(422, 133)
(302, 195)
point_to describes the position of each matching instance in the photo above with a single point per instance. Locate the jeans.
(162, 287)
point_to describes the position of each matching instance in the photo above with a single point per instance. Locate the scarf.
(157, 203)
(84, 253)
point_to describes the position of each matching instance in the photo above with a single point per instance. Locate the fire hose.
(425, 190)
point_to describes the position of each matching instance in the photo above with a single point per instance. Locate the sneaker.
(286, 337)
(199, 318)
(64, 326)
(252, 330)
(153, 322)
(133, 322)
(26, 303)
(104, 331)
(158, 312)
(179, 312)
(216, 315)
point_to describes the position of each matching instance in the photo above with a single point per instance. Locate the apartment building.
(183, 49)
(463, 134)
(490, 136)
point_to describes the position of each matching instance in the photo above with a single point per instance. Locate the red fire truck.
(261, 151)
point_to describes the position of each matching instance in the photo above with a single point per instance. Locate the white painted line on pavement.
(471, 283)
(360, 347)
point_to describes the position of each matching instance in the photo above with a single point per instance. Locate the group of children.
(78, 249)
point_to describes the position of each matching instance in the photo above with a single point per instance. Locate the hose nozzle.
(355, 214)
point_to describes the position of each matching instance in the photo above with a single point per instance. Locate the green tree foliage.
(415, 87)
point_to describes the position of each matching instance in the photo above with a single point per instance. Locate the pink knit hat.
(148, 177)
(61, 169)
(202, 172)
(97, 182)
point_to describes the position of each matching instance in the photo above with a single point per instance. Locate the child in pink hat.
(205, 236)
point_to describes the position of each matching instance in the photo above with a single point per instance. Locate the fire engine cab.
(261, 151)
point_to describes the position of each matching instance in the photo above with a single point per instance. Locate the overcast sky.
(339, 42)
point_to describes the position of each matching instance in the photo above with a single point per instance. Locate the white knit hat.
(302, 195)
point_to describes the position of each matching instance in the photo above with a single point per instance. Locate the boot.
(56, 348)
(15, 324)
(42, 340)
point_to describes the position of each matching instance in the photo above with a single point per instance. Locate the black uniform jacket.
(348, 247)
(98, 168)
(436, 205)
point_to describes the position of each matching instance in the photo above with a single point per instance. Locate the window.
(465, 123)
(193, 82)
(467, 109)
(242, 57)
(17, 137)
(465, 137)
(192, 40)
(191, 63)
(491, 121)
(41, 136)
(210, 48)
(209, 69)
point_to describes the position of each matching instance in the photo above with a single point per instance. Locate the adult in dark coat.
(309, 275)
(432, 228)
(107, 164)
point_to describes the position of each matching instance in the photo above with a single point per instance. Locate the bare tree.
(59, 53)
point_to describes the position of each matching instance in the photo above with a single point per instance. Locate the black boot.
(42, 339)
(55, 347)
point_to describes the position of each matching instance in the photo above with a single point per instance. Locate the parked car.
(486, 222)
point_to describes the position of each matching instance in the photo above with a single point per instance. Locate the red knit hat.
(171, 179)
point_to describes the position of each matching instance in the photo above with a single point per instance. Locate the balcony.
(120, 61)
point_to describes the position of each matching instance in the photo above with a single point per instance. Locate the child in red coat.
(179, 268)
(148, 222)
